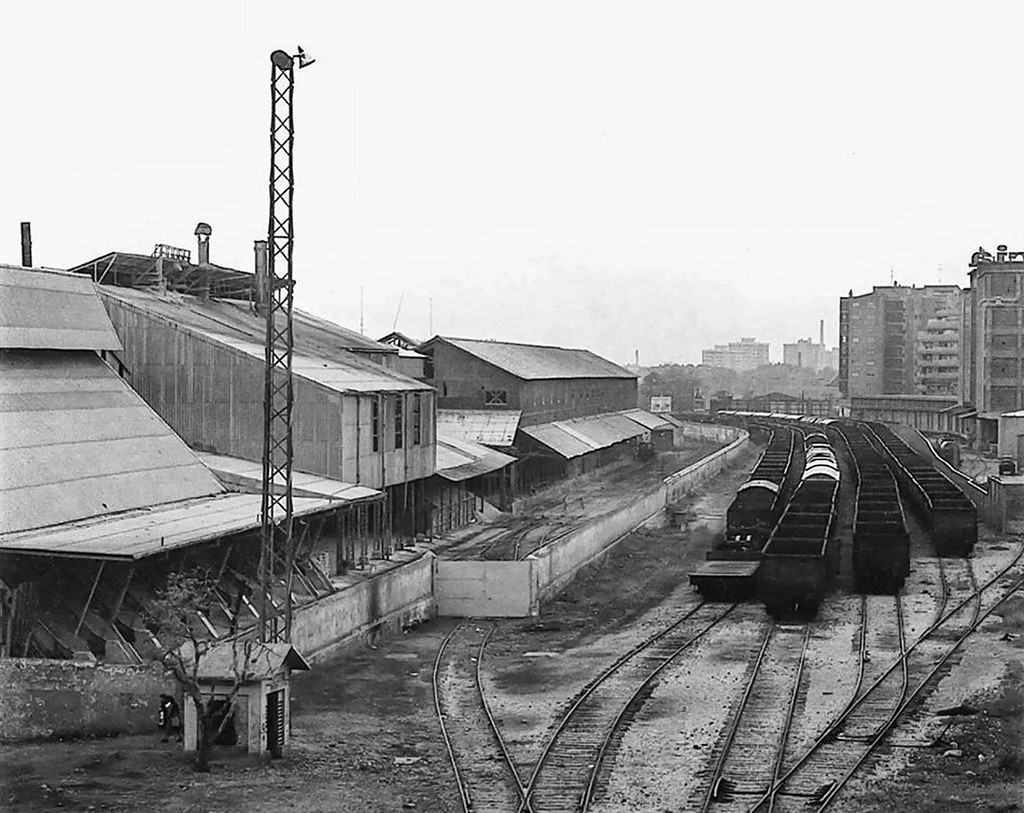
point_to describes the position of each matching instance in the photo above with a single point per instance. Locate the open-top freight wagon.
(951, 518)
(753, 513)
(881, 543)
(800, 560)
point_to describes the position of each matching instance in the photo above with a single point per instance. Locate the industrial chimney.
(26, 244)
(203, 232)
(821, 333)
(260, 297)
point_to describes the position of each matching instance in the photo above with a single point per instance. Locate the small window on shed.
(496, 398)
(398, 421)
(375, 424)
(417, 419)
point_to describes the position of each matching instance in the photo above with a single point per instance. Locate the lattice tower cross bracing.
(276, 549)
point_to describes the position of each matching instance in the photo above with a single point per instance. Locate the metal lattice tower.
(276, 550)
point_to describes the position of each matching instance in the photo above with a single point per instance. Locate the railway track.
(485, 773)
(814, 779)
(575, 761)
(750, 755)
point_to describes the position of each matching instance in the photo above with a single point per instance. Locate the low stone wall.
(378, 605)
(44, 699)
(556, 564)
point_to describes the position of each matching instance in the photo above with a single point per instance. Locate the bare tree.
(176, 617)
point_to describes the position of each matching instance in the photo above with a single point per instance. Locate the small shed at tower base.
(260, 708)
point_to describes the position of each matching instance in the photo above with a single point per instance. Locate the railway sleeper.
(816, 796)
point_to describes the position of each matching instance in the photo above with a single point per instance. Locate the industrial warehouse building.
(193, 339)
(543, 383)
(100, 499)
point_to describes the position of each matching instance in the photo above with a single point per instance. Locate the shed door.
(275, 723)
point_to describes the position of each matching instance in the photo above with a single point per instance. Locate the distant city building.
(812, 356)
(993, 317)
(746, 354)
(805, 353)
(888, 339)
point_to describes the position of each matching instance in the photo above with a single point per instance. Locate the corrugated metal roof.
(248, 476)
(459, 459)
(647, 419)
(51, 310)
(140, 533)
(76, 441)
(321, 352)
(490, 427)
(579, 436)
(534, 361)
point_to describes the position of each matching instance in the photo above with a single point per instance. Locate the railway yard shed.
(197, 359)
(544, 383)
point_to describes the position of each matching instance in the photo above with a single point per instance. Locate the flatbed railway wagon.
(951, 518)
(881, 543)
(800, 559)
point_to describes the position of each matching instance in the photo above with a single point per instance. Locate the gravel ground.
(365, 737)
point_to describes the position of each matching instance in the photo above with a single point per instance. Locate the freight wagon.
(951, 518)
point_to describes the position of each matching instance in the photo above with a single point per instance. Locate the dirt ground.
(365, 738)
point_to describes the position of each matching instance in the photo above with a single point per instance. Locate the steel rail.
(601, 679)
(833, 729)
(830, 796)
(716, 775)
(460, 778)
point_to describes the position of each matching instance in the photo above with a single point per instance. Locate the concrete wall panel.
(499, 589)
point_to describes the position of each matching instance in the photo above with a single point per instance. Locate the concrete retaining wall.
(53, 698)
(559, 562)
(382, 603)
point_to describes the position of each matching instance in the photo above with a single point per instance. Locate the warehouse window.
(398, 422)
(417, 419)
(375, 424)
(496, 398)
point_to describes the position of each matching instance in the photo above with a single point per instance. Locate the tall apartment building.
(937, 354)
(881, 348)
(746, 354)
(993, 316)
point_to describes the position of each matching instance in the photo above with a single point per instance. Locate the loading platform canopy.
(580, 436)
(649, 420)
(247, 476)
(459, 460)
(140, 533)
(486, 426)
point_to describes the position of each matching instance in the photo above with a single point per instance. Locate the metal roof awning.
(459, 460)
(51, 310)
(245, 475)
(76, 441)
(579, 436)
(137, 534)
(647, 420)
(486, 426)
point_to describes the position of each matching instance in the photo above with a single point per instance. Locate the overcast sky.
(622, 176)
